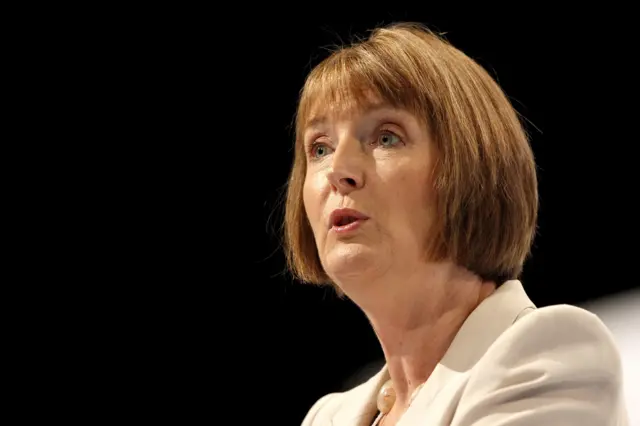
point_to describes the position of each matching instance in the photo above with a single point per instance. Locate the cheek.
(311, 197)
(415, 195)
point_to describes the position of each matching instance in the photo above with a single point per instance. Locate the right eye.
(319, 150)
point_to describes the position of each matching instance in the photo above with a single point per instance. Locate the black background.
(205, 324)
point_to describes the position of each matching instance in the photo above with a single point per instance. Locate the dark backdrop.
(208, 324)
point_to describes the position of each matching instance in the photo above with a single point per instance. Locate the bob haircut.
(486, 196)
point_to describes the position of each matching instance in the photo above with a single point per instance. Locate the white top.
(510, 364)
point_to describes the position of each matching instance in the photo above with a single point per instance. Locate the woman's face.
(376, 166)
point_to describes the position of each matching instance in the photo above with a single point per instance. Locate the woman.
(413, 192)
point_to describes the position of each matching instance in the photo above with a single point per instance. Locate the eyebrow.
(318, 120)
(315, 121)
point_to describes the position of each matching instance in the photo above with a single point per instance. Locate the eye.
(318, 150)
(388, 139)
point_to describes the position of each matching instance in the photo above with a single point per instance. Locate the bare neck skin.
(416, 314)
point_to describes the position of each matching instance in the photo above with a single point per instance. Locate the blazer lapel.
(483, 326)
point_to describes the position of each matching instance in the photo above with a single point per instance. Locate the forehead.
(324, 105)
(322, 114)
(347, 94)
(337, 93)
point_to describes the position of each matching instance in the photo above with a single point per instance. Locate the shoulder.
(322, 409)
(555, 363)
(348, 406)
(340, 407)
(560, 332)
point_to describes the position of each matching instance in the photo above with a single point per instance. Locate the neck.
(416, 321)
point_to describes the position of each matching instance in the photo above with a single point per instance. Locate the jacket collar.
(481, 328)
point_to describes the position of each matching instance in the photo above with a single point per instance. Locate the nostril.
(350, 181)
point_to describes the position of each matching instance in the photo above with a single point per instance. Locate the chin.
(348, 261)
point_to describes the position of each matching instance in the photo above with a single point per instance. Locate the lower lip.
(347, 228)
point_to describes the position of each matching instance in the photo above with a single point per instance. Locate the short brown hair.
(485, 176)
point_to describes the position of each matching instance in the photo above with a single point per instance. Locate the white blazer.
(510, 364)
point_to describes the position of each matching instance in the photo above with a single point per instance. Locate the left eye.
(388, 139)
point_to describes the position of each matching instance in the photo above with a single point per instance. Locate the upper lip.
(339, 214)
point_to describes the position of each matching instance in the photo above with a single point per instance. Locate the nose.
(347, 168)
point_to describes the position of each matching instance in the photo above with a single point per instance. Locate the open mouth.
(344, 220)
